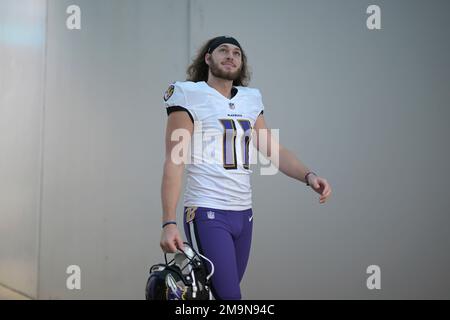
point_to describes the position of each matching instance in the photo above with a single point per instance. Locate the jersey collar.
(219, 94)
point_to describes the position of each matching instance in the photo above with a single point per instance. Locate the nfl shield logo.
(232, 106)
(211, 214)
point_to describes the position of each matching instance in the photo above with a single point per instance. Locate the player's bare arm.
(172, 182)
(287, 162)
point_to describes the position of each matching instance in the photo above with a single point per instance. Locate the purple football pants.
(224, 237)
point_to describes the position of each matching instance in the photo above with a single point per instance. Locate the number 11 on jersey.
(229, 143)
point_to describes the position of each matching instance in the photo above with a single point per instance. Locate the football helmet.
(183, 278)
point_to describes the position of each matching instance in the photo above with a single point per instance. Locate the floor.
(8, 294)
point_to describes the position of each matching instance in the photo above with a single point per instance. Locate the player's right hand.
(171, 239)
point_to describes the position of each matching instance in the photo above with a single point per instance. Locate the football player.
(218, 217)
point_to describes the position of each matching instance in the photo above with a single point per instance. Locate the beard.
(226, 75)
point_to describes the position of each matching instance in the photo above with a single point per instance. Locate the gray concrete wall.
(104, 147)
(364, 109)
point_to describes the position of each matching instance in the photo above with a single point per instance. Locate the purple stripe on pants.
(224, 237)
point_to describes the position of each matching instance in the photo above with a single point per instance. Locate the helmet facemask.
(182, 278)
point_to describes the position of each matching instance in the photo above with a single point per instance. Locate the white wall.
(22, 65)
(104, 128)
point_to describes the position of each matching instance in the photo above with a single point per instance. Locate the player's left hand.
(321, 186)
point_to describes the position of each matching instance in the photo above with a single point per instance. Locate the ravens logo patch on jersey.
(169, 92)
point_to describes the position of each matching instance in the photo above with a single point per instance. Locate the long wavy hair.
(198, 70)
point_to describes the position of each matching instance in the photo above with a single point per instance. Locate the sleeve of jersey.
(175, 100)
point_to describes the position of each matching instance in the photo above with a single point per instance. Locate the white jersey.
(218, 175)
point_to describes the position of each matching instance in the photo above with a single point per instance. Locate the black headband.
(221, 40)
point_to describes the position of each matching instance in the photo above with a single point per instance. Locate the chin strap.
(212, 266)
(190, 254)
(194, 285)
